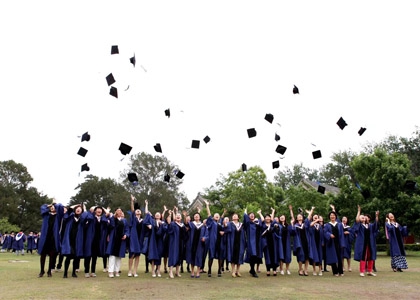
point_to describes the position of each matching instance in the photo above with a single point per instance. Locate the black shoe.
(325, 270)
(65, 276)
(166, 271)
(399, 270)
(74, 275)
(255, 275)
(202, 271)
(209, 274)
(41, 274)
(49, 274)
(223, 269)
(147, 271)
(219, 274)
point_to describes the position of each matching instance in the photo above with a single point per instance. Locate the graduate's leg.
(111, 266)
(192, 270)
(66, 266)
(153, 268)
(93, 265)
(136, 264)
(209, 265)
(306, 267)
(117, 266)
(165, 263)
(146, 261)
(42, 260)
(130, 264)
(76, 266)
(87, 265)
(370, 266)
(219, 267)
(171, 273)
(60, 261)
(51, 265)
(300, 268)
(177, 270)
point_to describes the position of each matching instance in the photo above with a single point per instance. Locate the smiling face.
(282, 218)
(78, 210)
(333, 217)
(197, 217)
(267, 219)
(216, 217)
(235, 217)
(344, 220)
(157, 216)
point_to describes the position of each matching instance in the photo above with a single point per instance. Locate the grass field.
(19, 281)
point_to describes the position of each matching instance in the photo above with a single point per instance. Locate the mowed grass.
(19, 280)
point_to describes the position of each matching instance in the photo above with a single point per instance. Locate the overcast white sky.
(219, 66)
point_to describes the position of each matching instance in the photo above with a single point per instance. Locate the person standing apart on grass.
(30, 243)
(365, 245)
(119, 231)
(348, 238)
(136, 237)
(49, 243)
(395, 234)
(334, 242)
(252, 227)
(20, 239)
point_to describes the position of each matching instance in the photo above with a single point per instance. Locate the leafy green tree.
(292, 176)
(6, 226)
(150, 171)
(105, 192)
(337, 168)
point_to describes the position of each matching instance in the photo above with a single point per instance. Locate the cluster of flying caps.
(113, 91)
(82, 151)
(341, 123)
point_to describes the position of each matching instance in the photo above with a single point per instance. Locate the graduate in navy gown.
(365, 245)
(349, 238)
(215, 233)
(5, 244)
(252, 228)
(135, 241)
(20, 239)
(176, 232)
(119, 231)
(269, 242)
(196, 245)
(49, 241)
(285, 255)
(316, 237)
(334, 242)
(72, 243)
(395, 234)
(157, 231)
(96, 231)
(236, 244)
(30, 242)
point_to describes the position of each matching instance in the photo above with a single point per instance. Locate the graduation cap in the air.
(167, 112)
(86, 137)
(276, 137)
(252, 132)
(167, 178)
(85, 167)
(195, 144)
(125, 149)
(133, 60)
(295, 89)
(179, 174)
(365, 194)
(281, 149)
(244, 168)
(158, 148)
(276, 164)
(410, 185)
(206, 139)
(82, 151)
(341, 123)
(361, 130)
(113, 92)
(110, 79)
(316, 154)
(321, 189)
(114, 49)
(132, 177)
(269, 118)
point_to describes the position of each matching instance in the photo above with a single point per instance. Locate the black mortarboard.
(365, 194)
(86, 137)
(125, 149)
(113, 92)
(110, 79)
(132, 177)
(276, 164)
(167, 112)
(410, 185)
(277, 137)
(85, 167)
(179, 174)
(136, 206)
(361, 130)
(133, 60)
(269, 118)
(82, 151)
(281, 149)
(114, 49)
(158, 148)
(206, 139)
(321, 189)
(252, 132)
(295, 90)
(341, 123)
(244, 167)
(195, 144)
(316, 154)
(167, 178)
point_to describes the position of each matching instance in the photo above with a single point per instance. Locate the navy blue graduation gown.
(116, 245)
(253, 235)
(157, 233)
(93, 235)
(395, 233)
(176, 234)
(348, 238)
(360, 245)
(136, 234)
(330, 251)
(45, 213)
(68, 222)
(270, 242)
(235, 237)
(196, 246)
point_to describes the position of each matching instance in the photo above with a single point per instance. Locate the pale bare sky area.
(219, 66)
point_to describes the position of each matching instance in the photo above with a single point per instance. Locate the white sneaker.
(362, 274)
(111, 275)
(320, 273)
(87, 275)
(314, 273)
(281, 272)
(288, 272)
(117, 274)
(136, 275)
(93, 275)
(105, 270)
(130, 275)
(371, 274)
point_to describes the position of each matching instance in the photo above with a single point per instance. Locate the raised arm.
(310, 213)
(207, 208)
(224, 212)
(358, 213)
(261, 216)
(163, 212)
(272, 214)
(146, 207)
(132, 203)
(291, 213)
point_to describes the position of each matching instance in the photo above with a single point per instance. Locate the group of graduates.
(175, 237)
(11, 242)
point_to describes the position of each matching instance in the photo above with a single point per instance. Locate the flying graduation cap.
(114, 50)
(276, 164)
(82, 151)
(195, 144)
(206, 139)
(158, 148)
(113, 92)
(167, 112)
(244, 168)
(133, 60)
(361, 131)
(316, 154)
(252, 132)
(86, 137)
(295, 89)
(281, 149)
(341, 123)
(132, 177)
(167, 178)
(85, 167)
(179, 174)
(276, 137)
(125, 149)
(321, 189)
(269, 118)
(110, 79)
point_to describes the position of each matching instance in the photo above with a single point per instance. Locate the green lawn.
(20, 281)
